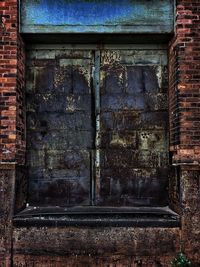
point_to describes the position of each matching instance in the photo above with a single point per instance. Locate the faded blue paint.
(96, 16)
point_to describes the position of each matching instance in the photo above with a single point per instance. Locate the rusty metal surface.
(60, 133)
(97, 127)
(134, 158)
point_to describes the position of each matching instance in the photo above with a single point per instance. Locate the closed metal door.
(134, 141)
(97, 125)
(60, 131)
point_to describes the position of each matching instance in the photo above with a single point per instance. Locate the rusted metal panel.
(70, 16)
(133, 150)
(97, 127)
(60, 132)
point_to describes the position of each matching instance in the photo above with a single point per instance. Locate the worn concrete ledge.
(95, 241)
(98, 221)
(92, 260)
(97, 216)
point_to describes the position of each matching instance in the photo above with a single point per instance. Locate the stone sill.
(97, 216)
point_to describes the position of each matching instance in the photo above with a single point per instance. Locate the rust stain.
(112, 105)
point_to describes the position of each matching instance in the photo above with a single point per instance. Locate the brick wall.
(12, 84)
(184, 114)
(184, 93)
(11, 119)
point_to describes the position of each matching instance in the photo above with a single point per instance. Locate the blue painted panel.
(68, 16)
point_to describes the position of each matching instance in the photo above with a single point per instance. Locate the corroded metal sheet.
(97, 126)
(112, 16)
(60, 133)
(133, 149)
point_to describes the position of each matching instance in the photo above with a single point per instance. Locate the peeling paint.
(97, 16)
